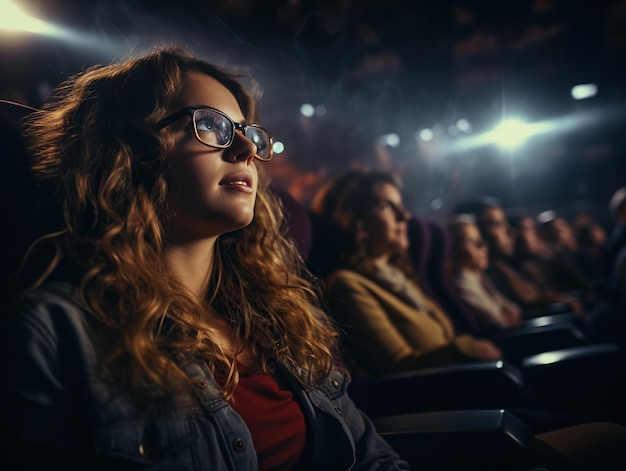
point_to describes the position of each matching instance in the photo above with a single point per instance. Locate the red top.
(273, 417)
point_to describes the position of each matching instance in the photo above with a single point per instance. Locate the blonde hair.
(97, 142)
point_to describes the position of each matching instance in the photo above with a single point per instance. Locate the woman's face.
(473, 250)
(528, 238)
(498, 231)
(563, 233)
(597, 235)
(386, 222)
(210, 191)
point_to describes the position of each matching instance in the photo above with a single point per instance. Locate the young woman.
(470, 258)
(390, 324)
(170, 326)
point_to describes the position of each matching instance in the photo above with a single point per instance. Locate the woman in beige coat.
(389, 324)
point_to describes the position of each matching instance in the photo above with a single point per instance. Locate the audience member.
(552, 263)
(390, 325)
(171, 327)
(591, 238)
(556, 231)
(495, 229)
(469, 260)
(596, 313)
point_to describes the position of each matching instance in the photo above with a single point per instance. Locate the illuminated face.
(527, 236)
(386, 222)
(597, 235)
(211, 191)
(498, 231)
(474, 253)
(563, 234)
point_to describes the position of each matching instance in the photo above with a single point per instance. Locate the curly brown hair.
(97, 142)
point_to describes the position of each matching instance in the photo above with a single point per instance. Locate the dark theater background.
(524, 100)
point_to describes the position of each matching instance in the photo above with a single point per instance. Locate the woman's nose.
(242, 149)
(402, 215)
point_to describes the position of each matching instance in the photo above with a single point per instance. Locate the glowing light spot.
(307, 110)
(584, 90)
(426, 134)
(278, 147)
(391, 140)
(464, 125)
(436, 204)
(12, 18)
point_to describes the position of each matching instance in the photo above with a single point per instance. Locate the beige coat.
(384, 333)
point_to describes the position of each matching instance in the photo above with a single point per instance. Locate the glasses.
(399, 211)
(497, 223)
(215, 129)
(478, 244)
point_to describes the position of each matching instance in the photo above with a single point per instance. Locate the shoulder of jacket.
(57, 297)
(50, 292)
(344, 275)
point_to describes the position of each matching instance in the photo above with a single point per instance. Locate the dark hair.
(345, 202)
(476, 208)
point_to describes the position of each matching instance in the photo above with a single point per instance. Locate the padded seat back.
(463, 439)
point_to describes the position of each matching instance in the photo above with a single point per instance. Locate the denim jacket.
(58, 414)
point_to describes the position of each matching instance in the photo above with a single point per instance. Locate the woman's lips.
(240, 182)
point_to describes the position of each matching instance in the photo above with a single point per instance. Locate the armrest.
(584, 378)
(553, 308)
(462, 439)
(550, 319)
(479, 385)
(520, 342)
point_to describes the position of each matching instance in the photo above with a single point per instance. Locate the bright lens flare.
(13, 21)
(12, 18)
(510, 133)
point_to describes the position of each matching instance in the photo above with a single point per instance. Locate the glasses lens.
(262, 140)
(213, 129)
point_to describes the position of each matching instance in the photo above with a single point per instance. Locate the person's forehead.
(527, 223)
(385, 190)
(470, 230)
(203, 90)
(494, 214)
(560, 223)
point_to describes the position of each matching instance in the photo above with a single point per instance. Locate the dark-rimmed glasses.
(478, 244)
(215, 129)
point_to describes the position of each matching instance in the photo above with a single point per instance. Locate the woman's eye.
(206, 124)
(382, 205)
